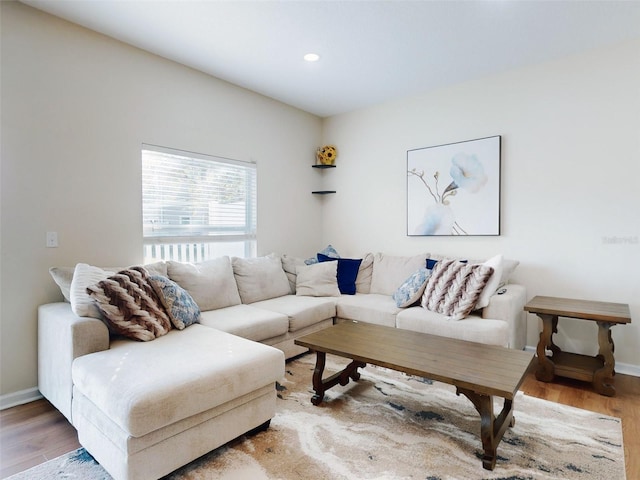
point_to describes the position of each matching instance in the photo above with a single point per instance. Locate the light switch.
(52, 239)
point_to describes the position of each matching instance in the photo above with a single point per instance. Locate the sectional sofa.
(156, 366)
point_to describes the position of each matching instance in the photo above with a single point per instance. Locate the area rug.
(392, 426)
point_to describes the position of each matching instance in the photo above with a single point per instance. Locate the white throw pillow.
(318, 280)
(493, 283)
(389, 272)
(84, 276)
(508, 266)
(260, 278)
(63, 276)
(211, 284)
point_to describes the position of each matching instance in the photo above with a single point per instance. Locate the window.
(196, 207)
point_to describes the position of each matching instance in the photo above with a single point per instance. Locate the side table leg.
(603, 378)
(546, 368)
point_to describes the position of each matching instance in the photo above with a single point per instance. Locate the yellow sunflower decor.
(326, 155)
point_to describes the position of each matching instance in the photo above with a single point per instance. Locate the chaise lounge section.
(144, 409)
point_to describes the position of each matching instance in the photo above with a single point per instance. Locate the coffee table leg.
(320, 386)
(491, 428)
(317, 378)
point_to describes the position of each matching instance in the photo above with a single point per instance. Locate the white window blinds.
(195, 199)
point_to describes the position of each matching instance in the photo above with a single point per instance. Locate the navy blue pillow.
(347, 272)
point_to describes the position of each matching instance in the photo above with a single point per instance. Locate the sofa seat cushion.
(368, 307)
(146, 386)
(246, 321)
(302, 311)
(472, 328)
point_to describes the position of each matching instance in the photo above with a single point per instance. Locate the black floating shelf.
(323, 166)
(323, 192)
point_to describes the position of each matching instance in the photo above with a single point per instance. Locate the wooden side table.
(598, 370)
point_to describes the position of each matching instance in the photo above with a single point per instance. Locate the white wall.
(76, 107)
(570, 168)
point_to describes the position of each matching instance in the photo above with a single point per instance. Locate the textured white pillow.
(493, 283)
(84, 276)
(389, 272)
(260, 278)
(211, 284)
(318, 280)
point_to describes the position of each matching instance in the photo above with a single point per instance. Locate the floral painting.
(454, 189)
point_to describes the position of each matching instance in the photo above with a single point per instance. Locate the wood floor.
(36, 432)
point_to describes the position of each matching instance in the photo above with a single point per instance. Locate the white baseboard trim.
(19, 398)
(623, 368)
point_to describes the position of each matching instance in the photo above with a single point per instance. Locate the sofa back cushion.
(211, 284)
(389, 272)
(454, 288)
(289, 265)
(260, 278)
(363, 280)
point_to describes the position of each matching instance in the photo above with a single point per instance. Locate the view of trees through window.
(197, 206)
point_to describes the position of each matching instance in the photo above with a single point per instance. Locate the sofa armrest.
(62, 337)
(509, 306)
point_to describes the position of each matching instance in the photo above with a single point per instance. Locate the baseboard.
(19, 398)
(622, 368)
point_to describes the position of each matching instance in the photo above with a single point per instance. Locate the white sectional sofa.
(145, 408)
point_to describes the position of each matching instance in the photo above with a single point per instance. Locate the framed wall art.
(454, 189)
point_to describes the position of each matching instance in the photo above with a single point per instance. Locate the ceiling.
(371, 51)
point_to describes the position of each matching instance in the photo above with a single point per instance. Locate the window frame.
(211, 241)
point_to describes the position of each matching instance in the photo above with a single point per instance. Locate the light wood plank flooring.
(36, 432)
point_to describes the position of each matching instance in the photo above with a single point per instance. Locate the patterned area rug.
(392, 426)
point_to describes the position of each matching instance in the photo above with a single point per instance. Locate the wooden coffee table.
(478, 371)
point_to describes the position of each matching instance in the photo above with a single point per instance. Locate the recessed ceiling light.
(312, 57)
